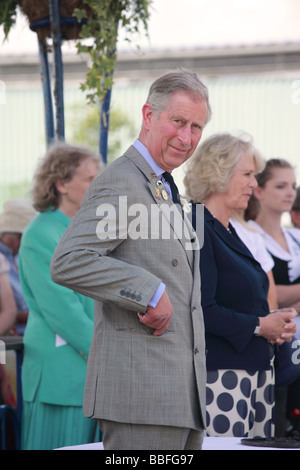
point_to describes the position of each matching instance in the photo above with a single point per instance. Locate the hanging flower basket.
(38, 15)
(96, 20)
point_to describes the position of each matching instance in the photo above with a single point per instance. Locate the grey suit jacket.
(122, 243)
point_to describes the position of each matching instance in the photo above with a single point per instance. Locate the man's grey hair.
(164, 87)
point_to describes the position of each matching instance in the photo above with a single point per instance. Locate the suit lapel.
(182, 228)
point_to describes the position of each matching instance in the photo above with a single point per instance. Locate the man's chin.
(175, 162)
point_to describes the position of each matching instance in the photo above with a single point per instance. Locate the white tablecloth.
(210, 443)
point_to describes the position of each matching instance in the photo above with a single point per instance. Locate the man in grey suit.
(131, 250)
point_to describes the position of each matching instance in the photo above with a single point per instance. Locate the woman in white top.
(275, 195)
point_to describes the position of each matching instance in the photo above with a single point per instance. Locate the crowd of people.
(148, 341)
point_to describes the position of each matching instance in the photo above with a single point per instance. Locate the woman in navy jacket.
(240, 331)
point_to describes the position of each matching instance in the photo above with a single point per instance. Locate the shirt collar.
(147, 156)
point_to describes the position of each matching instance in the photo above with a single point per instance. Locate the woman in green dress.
(60, 322)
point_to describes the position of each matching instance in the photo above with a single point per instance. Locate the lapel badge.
(157, 192)
(159, 184)
(164, 194)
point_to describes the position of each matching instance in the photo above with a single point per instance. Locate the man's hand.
(159, 317)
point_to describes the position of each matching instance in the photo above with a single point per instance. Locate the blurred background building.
(247, 53)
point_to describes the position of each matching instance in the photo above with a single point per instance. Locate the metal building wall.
(268, 107)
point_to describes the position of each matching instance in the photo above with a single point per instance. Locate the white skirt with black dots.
(240, 403)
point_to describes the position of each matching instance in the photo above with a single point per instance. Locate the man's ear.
(147, 115)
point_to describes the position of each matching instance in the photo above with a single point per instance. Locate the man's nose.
(185, 135)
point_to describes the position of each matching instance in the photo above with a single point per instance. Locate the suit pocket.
(140, 328)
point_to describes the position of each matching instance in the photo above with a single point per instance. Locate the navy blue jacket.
(234, 291)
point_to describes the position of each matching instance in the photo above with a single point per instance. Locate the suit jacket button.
(138, 298)
(174, 262)
(122, 292)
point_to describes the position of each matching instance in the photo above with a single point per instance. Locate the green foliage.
(103, 27)
(99, 36)
(14, 190)
(86, 129)
(8, 14)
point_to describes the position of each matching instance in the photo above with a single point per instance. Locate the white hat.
(17, 213)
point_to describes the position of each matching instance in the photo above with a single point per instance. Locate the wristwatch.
(257, 328)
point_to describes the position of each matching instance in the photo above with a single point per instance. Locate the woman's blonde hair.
(213, 163)
(59, 163)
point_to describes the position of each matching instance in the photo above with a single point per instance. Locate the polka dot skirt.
(240, 403)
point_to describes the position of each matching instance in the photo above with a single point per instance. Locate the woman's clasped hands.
(278, 327)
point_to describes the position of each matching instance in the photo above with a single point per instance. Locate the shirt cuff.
(157, 295)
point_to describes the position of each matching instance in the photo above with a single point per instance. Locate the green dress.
(56, 344)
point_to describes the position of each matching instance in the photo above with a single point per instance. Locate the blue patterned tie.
(174, 190)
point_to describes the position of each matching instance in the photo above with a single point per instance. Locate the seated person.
(17, 213)
(8, 313)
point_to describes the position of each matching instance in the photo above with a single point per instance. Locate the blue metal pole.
(46, 85)
(58, 68)
(104, 126)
